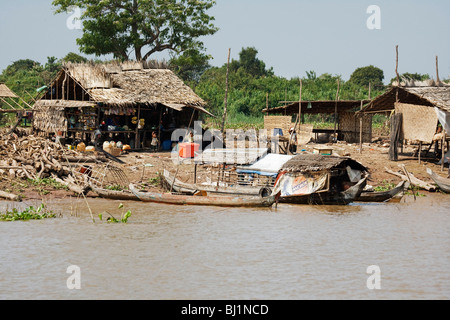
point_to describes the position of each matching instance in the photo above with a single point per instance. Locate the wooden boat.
(222, 201)
(182, 187)
(125, 195)
(329, 197)
(443, 183)
(396, 194)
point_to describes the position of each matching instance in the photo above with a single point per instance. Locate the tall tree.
(365, 75)
(120, 27)
(250, 63)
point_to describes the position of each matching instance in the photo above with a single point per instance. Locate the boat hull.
(115, 195)
(222, 201)
(443, 183)
(187, 188)
(396, 194)
(328, 198)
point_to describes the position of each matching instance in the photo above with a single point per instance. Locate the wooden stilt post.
(443, 151)
(361, 130)
(336, 111)
(437, 72)
(226, 94)
(420, 151)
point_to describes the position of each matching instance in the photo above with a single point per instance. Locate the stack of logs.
(31, 157)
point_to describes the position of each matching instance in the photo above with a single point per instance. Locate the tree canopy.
(250, 64)
(142, 27)
(365, 75)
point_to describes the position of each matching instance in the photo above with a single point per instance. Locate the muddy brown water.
(202, 253)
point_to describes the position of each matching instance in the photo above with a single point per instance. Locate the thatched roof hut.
(5, 92)
(94, 93)
(8, 98)
(307, 163)
(427, 96)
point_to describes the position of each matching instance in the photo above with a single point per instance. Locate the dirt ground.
(144, 167)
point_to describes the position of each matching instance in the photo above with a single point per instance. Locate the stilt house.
(127, 102)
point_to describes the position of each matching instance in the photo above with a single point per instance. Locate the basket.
(113, 151)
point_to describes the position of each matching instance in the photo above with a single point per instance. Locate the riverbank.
(146, 167)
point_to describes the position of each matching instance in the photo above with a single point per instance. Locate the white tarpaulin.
(444, 119)
(300, 184)
(270, 165)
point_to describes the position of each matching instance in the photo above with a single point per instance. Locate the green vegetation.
(385, 186)
(250, 82)
(123, 218)
(156, 181)
(30, 213)
(115, 188)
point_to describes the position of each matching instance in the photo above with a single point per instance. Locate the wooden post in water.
(226, 94)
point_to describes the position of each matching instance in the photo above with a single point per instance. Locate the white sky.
(292, 36)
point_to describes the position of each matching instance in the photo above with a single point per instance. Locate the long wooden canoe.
(395, 194)
(222, 201)
(182, 187)
(124, 195)
(443, 183)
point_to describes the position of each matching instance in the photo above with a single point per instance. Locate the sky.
(292, 36)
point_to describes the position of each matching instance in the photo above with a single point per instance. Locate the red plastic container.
(187, 150)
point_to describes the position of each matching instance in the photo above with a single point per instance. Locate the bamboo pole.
(226, 94)
(396, 68)
(336, 111)
(361, 130)
(437, 72)
(300, 106)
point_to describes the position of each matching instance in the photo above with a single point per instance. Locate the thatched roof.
(315, 107)
(428, 96)
(129, 84)
(5, 92)
(316, 162)
(123, 84)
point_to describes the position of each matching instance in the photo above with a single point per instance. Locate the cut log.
(72, 186)
(414, 181)
(10, 196)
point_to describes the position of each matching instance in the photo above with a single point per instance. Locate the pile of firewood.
(31, 157)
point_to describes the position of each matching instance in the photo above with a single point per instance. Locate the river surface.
(203, 253)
